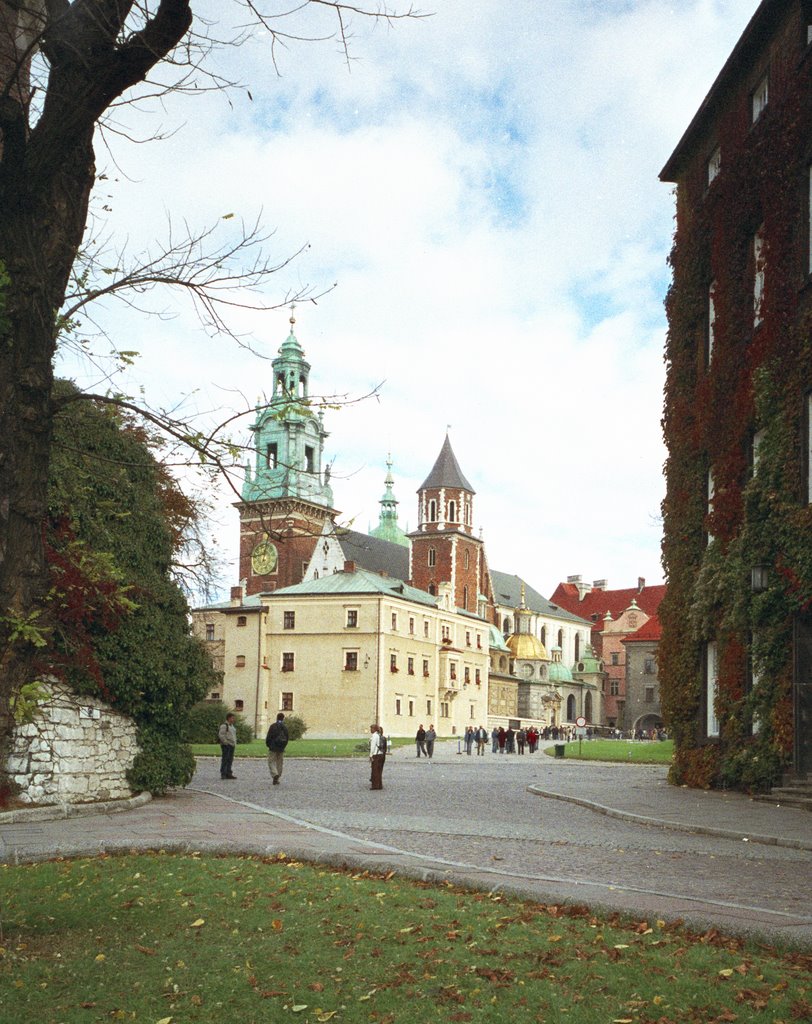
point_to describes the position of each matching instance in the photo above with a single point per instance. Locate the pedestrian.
(431, 736)
(469, 740)
(510, 737)
(276, 741)
(420, 741)
(521, 737)
(502, 737)
(376, 758)
(481, 740)
(532, 738)
(494, 740)
(227, 735)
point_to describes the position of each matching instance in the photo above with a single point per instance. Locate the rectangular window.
(425, 627)
(352, 618)
(453, 670)
(432, 557)
(428, 706)
(242, 620)
(443, 709)
(289, 620)
(393, 662)
(615, 658)
(648, 666)
(473, 711)
(239, 705)
(649, 695)
(209, 631)
(411, 625)
(710, 326)
(711, 689)
(271, 457)
(714, 164)
(287, 661)
(759, 98)
(398, 710)
(394, 622)
(758, 276)
(425, 668)
(479, 641)
(240, 662)
(467, 638)
(477, 678)
(410, 666)
(411, 709)
(351, 661)
(466, 675)
(614, 687)
(287, 702)
(310, 459)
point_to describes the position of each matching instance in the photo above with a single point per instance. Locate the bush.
(297, 726)
(205, 718)
(161, 764)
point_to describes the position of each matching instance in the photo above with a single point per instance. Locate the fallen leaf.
(198, 924)
(299, 1007)
(276, 924)
(726, 973)
(100, 958)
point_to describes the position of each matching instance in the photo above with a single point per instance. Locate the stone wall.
(76, 751)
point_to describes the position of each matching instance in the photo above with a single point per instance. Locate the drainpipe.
(259, 669)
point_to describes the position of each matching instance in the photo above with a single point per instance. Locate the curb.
(56, 812)
(674, 826)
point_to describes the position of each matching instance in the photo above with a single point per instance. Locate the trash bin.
(559, 749)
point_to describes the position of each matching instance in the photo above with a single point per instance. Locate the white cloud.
(483, 187)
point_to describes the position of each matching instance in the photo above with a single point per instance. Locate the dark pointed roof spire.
(446, 471)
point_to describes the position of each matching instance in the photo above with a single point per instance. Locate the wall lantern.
(759, 578)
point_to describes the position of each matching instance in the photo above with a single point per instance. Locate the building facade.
(735, 658)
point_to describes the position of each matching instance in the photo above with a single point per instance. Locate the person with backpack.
(276, 741)
(377, 756)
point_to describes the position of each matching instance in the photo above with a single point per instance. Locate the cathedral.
(346, 628)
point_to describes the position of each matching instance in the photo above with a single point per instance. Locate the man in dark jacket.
(276, 741)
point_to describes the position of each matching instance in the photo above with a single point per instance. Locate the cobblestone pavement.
(478, 813)
(474, 821)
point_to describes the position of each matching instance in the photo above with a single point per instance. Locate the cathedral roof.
(526, 647)
(359, 581)
(377, 554)
(446, 471)
(507, 591)
(597, 602)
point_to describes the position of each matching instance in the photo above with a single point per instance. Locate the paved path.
(496, 822)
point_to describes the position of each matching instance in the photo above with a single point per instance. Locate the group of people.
(276, 741)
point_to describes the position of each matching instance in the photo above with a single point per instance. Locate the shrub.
(205, 718)
(161, 764)
(297, 726)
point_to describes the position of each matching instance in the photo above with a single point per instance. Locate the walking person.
(431, 736)
(276, 741)
(227, 736)
(502, 739)
(469, 740)
(494, 740)
(420, 741)
(376, 757)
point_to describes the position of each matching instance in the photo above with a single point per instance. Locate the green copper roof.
(359, 582)
(387, 528)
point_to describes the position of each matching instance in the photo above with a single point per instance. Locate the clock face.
(264, 558)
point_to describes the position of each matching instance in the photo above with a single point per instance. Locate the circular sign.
(580, 721)
(264, 558)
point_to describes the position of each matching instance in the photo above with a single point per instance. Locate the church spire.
(387, 528)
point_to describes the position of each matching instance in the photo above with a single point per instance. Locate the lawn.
(301, 748)
(629, 751)
(165, 939)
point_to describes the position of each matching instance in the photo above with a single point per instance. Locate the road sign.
(580, 721)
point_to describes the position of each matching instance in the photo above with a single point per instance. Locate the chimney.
(600, 584)
(573, 579)
(236, 596)
(349, 566)
(641, 584)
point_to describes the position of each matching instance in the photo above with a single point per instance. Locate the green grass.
(163, 938)
(300, 748)
(629, 751)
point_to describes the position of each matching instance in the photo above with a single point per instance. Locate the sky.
(476, 196)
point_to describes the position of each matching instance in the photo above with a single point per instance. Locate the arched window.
(432, 556)
(561, 639)
(588, 707)
(544, 635)
(452, 511)
(465, 598)
(467, 558)
(577, 646)
(506, 626)
(570, 708)
(432, 511)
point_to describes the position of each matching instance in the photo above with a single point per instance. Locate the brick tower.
(444, 548)
(287, 498)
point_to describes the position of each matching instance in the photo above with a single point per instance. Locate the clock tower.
(286, 497)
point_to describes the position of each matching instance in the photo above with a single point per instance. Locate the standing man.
(375, 758)
(431, 736)
(481, 739)
(227, 735)
(276, 741)
(420, 740)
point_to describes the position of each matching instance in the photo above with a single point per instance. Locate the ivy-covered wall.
(756, 380)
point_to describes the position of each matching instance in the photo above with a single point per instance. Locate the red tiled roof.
(649, 631)
(602, 601)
